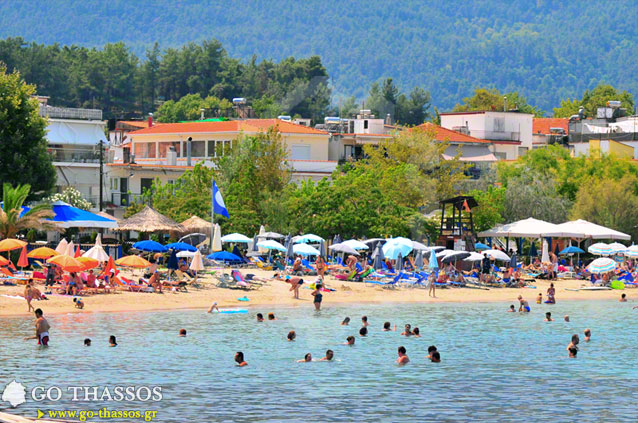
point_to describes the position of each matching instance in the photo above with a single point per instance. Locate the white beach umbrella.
(186, 254)
(197, 263)
(618, 248)
(355, 244)
(343, 248)
(545, 253)
(443, 253)
(236, 238)
(70, 249)
(273, 235)
(97, 251)
(308, 239)
(420, 246)
(305, 250)
(497, 255)
(474, 256)
(217, 238)
(600, 249)
(271, 244)
(602, 265)
(61, 248)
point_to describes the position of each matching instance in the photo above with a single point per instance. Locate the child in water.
(539, 299)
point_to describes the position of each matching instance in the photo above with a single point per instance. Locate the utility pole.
(101, 174)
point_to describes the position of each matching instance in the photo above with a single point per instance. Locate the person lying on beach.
(260, 317)
(349, 341)
(112, 341)
(79, 304)
(363, 331)
(512, 309)
(587, 335)
(548, 317)
(42, 329)
(407, 331)
(387, 327)
(239, 359)
(345, 322)
(524, 306)
(306, 359)
(416, 333)
(364, 321)
(403, 357)
(329, 356)
(214, 307)
(623, 298)
(291, 336)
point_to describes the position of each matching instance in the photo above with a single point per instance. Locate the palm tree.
(10, 220)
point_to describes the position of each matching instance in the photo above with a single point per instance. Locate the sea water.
(496, 366)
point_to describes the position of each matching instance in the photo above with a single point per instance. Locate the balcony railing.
(496, 135)
(70, 113)
(74, 155)
(125, 199)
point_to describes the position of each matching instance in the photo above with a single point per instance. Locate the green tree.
(12, 203)
(23, 147)
(190, 107)
(493, 99)
(490, 209)
(592, 100)
(527, 196)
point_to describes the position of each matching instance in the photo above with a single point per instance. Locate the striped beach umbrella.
(600, 249)
(618, 248)
(632, 251)
(602, 265)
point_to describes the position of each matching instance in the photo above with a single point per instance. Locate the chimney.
(150, 120)
(188, 151)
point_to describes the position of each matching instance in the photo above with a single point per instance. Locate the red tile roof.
(444, 134)
(250, 125)
(542, 125)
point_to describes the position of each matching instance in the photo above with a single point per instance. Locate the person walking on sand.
(28, 295)
(432, 285)
(320, 265)
(42, 329)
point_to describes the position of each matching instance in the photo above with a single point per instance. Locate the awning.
(529, 228)
(470, 153)
(81, 132)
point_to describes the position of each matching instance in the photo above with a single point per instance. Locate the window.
(164, 146)
(198, 149)
(501, 156)
(146, 184)
(300, 152)
(145, 150)
(219, 148)
(365, 124)
(114, 184)
(522, 151)
(499, 124)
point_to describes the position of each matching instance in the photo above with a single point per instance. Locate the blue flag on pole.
(218, 202)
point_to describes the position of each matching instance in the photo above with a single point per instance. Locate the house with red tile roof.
(549, 130)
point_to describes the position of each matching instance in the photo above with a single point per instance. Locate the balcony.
(70, 113)
(496, 135)
(125, 199)
(74, 154)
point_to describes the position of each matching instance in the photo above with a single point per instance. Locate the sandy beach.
(275, 293)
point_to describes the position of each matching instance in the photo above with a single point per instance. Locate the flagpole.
(212, 214)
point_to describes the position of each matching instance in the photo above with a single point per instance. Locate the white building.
(510, 133)
(74, 137)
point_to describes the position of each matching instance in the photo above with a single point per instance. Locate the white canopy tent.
(588, 230)
(529, 228)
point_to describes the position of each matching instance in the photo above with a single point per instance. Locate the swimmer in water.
(539, 299)
(306, 359)
(363, 331)
(567, 318)
(512, 309)
(403, 357)
(387, 327)
(587, 335)
(349, 340)
(87, 342)
(548, 317)
(329, 356)
(213, 307)
(364, 321)
(416, 333)
(182, 333)
(260, 317)
(524, 305)
(112, 341)
(623, 298)
(573, 352)
(42, 329)
(271, 316)
(431, 349)
(318, 297)
(239, 359)
(435, 357)
(574, 343)
(345, 322)
(291, 335)
(407, 331)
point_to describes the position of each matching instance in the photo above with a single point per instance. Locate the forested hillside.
(545, 50)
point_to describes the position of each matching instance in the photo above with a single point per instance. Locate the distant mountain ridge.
(546, 50)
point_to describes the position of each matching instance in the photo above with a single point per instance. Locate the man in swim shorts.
(524, 306)
(42, 328)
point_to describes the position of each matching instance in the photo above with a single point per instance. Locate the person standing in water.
(587, 335)
(42, 329)
(239, 359)
(551, 299)
(524, 305)
(403, 357)
(318, 296)
(213, 307)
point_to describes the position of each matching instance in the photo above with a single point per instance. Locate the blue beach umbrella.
(572, 250)
(433, 264)
(150, 246)
(67, 216)
(172, 261)
(181, 246)
(224, 256)
(532, 250)
(396, 246)
(480, 246)
(308, 238)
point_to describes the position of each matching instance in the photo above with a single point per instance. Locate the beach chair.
(241, 281)
(257, 261)
(130, 285)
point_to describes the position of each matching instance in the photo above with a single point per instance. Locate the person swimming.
(403, 356)
(271, 316)
(363, 331)
(416, 332)
(318, 297)
(548, 317)
(213, 307)
(574, 343)
(349, 340)
(573, 352)
(566, 318)
(112, 341)
(260, 317)
(87, 342)
(587, 335)
(239, 359)
(524, 305)
(329, 356)
(364, 321)
(623, 298)
(182, 332)
(407, 331)
(431, 349)
(435, 357)
(345, 322)
(306, 359)
(292, 335)
(512, 309)
(387, 327)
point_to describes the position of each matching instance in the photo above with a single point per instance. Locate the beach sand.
(275, 293)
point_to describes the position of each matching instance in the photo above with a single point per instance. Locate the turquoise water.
(497, 366)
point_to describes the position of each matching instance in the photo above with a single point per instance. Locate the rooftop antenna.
(505, 103)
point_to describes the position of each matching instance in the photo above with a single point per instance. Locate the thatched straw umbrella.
(196, 224)
(149, 220)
